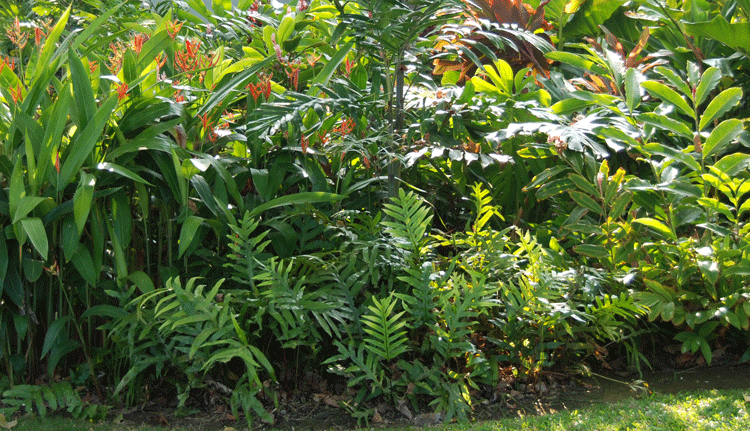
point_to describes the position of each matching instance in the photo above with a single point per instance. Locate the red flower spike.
(173, 27)
(38, 34)
(15, 93)
(137, 43)
(122, 91)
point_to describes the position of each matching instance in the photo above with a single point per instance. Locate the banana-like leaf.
(85, 142)
(296, 199)
(36, 233)
(734, 35)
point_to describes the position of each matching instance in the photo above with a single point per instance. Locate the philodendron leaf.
(722, 103)
(721, 136)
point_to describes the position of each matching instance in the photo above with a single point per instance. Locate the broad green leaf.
(53, 133)
(82, 200)
(657, 226)
(296, 199)
(721, 136)
(329, 69)
(576, 60)
(85, 142)
(735, 35)
(709, 80)
(570, 105)
(50, 45)
(142, 281)
(286, 27)
(586, 202)
(553, 188)
(674, 79)
(541, 178)
(720, 104)
(716, 205)
(663, 150)
(584, 185)
(82, 91)
(187, 234)
(71, 238)
(620, 204)
(38, 236)
(54, 331)
(665, 123)
(572, 6)
(84, 264)
(592, 250)
(666, 94)
(152, 47)
(733, 164)
(231, 88)
(25, 205)
(94, 25)
(122, 217)
(117, 169)
(17, 189)
(589, 16)
(632, 89)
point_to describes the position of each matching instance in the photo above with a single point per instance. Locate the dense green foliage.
(419, 196)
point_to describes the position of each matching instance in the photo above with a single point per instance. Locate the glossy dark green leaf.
(632, 89)
(592, 250)
(84, 264)
(657, 226)
(719, 105)
(663, 150)
(721, 136)
(585, 186)
(709, 80)
(554, 188)
(187, 233)
(666, 94)
(665, 123)
(36, 233)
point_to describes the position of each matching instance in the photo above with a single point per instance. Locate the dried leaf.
(404, 409)
(5, 424)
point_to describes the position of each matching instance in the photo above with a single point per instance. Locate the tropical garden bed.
(399, 206)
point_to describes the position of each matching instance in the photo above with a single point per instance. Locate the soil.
(553, 392)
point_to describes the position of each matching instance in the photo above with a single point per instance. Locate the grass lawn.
(725, 410)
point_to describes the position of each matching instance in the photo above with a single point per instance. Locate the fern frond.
(387, 338)
(409, 224)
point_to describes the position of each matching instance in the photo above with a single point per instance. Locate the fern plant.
(42, 399)
(297, 312)
(247, 250)
(189, 331)
(409, 225)
(368, 364)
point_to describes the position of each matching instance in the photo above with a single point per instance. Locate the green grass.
(725, 410)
